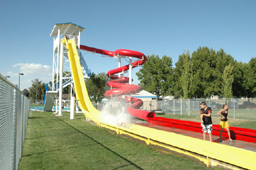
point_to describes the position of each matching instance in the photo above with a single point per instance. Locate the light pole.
(19, 78)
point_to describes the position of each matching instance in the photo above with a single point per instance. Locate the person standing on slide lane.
(206, 120)
(224, 121)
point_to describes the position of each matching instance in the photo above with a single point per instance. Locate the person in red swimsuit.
(224, 121)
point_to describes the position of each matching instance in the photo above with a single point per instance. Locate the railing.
(14, 113)
(83, 64)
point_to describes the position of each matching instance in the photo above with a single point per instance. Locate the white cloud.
(31, 68)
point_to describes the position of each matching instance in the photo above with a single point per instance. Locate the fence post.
(234, 109)
(173, 106)
(180, 106)
(14, 127)
(189, 107)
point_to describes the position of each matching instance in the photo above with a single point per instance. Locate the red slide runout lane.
(248, 135)
(120, 88)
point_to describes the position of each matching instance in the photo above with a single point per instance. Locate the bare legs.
(228, 134)
(210, 136)
(221, 134)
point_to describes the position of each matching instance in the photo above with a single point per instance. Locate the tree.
(203, 63)
(201, 74)
(228, 79)
(186, 77)
(182, 77)
(251, 78)
(223, 60)
(25, 92)
(240, 84)
(155, 75)
(96, 86)
(36, 91)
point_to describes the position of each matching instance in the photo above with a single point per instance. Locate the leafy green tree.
(201, 75)
(228, 79)
(239, 85)
(182, 77)
(186, 76)
(207, 70)
(154, 75)
(251, 78)
(203, 63)
(96, 86)
(36, 91)
(25, 92)
(222, 61)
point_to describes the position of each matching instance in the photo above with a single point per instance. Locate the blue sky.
(162, 27)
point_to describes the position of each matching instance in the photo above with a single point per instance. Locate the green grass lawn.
(60, 143)
(34, 104)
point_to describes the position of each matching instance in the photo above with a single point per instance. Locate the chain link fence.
(238, 108)
(14, 113)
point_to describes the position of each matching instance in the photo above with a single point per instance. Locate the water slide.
(120, 88)
(81, 92)
(209, 151)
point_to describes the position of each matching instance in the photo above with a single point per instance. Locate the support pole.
(78, 41)
(53, 64)
(180, 106)
(72, 108)
(61, 77)
(174, 106)
(130, 70)
(119, 65)
(57, 69)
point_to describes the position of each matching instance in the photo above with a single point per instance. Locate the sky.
(163, 27)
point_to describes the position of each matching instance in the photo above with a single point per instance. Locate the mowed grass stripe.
(60, 143)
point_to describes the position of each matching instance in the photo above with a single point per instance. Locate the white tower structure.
(61, 68)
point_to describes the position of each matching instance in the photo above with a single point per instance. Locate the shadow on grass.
(39, 137)
(131, 163)
(34, 117)
(122, 166)
(39, 153)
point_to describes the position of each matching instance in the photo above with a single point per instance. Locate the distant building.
(149, 100)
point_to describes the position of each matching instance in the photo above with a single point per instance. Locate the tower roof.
(66, 28)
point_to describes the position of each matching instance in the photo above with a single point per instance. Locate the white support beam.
(61, 76)
(78, 41)
(53, 66)
(130, 70)
(119, 65)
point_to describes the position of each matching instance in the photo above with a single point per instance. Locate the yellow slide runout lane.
(80, 89)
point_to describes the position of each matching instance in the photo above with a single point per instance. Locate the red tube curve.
(120, 88)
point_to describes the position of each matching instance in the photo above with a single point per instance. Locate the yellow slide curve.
(80, 89)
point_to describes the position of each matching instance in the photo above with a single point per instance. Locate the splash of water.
(114, 113)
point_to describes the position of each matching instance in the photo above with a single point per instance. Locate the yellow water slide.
(80, 89)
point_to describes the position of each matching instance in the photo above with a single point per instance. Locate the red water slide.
(119, 84)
